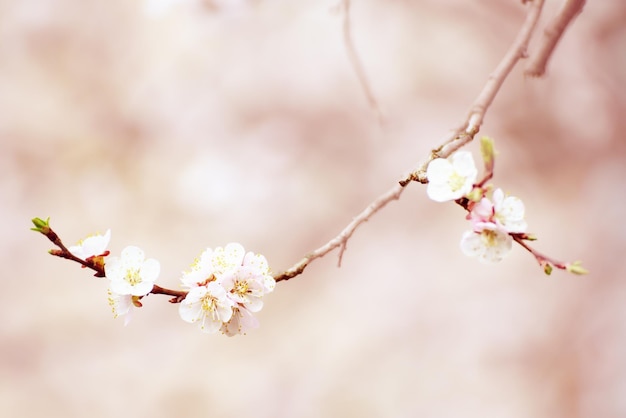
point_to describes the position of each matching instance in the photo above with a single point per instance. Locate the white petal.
(257, 261)
(224, 259)
(141, 289)
(463, 163)
(235, 251)
(133, 255)
(195, 294)
(193, 278)
(205, 259)
(490, 245)
(440, 192)
(113, 269)
(225, 312)
(121, 287)
(471, 243)
(269, 283)
(439, 170)
(209, 324)
(150, 270)
(121, 305)
(241, 321)
(498, 197)
(495, 253)
(216, 290)
(254, 304)
(189, 312)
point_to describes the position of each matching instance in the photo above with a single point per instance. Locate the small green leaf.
(41, 225)
(576, 268)
(530, 237)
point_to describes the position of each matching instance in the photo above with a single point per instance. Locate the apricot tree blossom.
(91, 246)
(224, 287)
(132, 274)
(451, 178)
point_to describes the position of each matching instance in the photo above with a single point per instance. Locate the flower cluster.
(226, 286)
(492, 224)
(493, 219)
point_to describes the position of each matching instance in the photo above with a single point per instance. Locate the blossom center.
(209, 305)
(490, 238)
(456, 181)
(240, 288)
(132, 276)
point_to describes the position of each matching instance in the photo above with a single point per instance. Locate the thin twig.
(98, 266)
(552, 35)
(356, 63)
(461, 136)
(542, 259)
(474, 120)
(178, 295)
(341, 239)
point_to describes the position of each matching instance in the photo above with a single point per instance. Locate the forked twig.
(552, 35)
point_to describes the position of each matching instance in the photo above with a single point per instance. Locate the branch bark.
(552, 35)
(341, 240)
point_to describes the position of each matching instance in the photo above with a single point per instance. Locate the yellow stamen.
(456, 181)
(133, 277)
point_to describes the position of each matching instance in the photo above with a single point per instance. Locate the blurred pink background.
(186, 124)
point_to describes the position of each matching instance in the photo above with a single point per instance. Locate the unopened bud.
(576, 268)
(488, 152)
(41, 225)
(547, 268)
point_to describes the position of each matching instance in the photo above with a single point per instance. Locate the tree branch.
(474, 120)
(343, 237)
(96, 262)
(461, 136)
(552, 35)
(355, 61)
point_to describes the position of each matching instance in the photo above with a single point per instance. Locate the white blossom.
(452, 178)
(91, 246)
(201, 271)
(490, 244)
(208, 306)
(132, 274)
(245, 287)
(509, 212)
(231, 283)
(492, 224)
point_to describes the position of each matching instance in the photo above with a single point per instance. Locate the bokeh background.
(189, 124)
